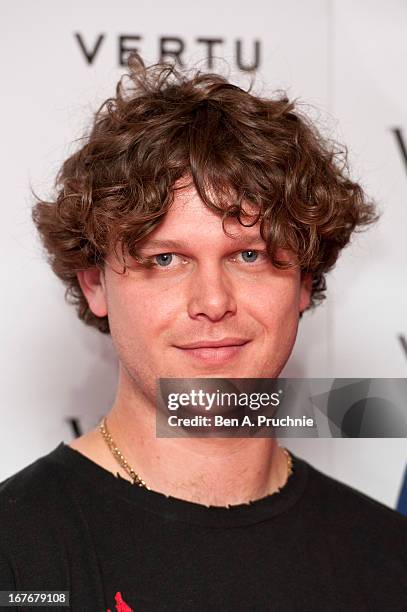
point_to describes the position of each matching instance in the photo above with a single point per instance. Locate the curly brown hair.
(164, 125)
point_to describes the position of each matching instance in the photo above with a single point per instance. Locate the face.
(211, 305)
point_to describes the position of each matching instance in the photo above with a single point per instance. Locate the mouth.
(216, 352)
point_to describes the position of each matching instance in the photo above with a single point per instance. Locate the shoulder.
(31, 516)
(26, 494)
(350, 498)
(346, 512)
(41, 530)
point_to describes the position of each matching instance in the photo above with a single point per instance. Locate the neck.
(210, 471)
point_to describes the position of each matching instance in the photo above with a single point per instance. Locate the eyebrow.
(179, 244)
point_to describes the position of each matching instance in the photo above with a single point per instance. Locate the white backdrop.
(346, 58)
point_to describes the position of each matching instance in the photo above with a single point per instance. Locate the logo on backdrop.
(401, 144)
(74, 426)
(246, 54)
(402, 148)
(402, 501)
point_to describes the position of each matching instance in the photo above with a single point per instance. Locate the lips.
(214, 352)
(214, 343)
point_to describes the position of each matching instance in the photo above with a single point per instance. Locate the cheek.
(138, 316)
(273, 301)
(276, 312)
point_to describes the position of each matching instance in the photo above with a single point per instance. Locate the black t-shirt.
(68, 524)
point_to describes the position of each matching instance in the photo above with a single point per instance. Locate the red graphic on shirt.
(121, 605)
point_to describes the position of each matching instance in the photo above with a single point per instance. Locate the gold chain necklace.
(137, 480)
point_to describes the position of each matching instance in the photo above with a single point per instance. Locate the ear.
(305, 290)
(92, 282)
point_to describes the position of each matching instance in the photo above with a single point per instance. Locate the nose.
(211, 293)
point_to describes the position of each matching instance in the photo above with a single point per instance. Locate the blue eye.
(251, 256)
(164, 259)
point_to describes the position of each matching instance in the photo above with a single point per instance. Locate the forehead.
(189, 219)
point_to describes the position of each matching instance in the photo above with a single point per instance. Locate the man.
(196, 225)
